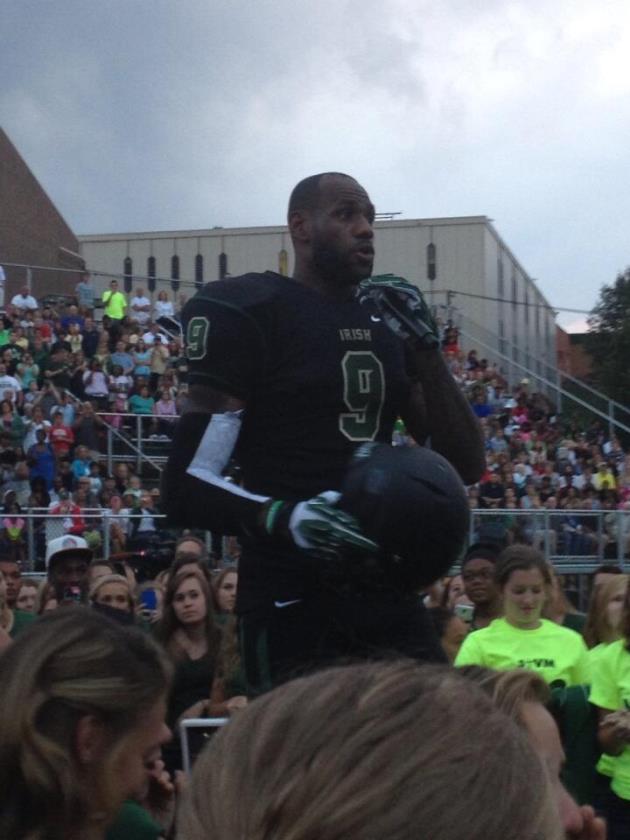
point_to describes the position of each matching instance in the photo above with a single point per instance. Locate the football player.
(289, 376)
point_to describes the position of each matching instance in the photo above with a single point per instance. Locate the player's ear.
(300, 225)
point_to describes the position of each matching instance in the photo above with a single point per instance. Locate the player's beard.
(336, 266)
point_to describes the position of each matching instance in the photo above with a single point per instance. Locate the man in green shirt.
(114, 302)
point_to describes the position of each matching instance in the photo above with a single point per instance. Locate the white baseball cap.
(68, 544)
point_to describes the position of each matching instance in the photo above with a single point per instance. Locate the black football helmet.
(411, 502)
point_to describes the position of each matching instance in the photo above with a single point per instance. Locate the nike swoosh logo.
(375, 319)
(281, 604)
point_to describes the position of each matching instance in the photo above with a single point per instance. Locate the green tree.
(608, 339)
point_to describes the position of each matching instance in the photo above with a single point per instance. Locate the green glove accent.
(403, 308)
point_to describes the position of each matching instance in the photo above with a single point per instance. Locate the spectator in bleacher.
(27, 596)
(84, 291)
(115, 304)
(19, 484)
(91, 337)
(478, 572)
(10, 387)
(165, 410)
(64, 404)
(72, 318)
(12, 571)
(418, 745)
(80, 466)
(140, 307)
(450, 629)
(189, 634)
(23, 301)
(224, 587)
(152, 335)
(112, 591)
(116, 517)
(96, 385)
(61, 436)
(27, 371)
(92, 698)
(605, 611)
(67, 561)
(70, 514)
(604, 478)
(58, 370)
(492, 491)
(122, 358)
(11, 422)
(558, 608)
(41, 459)
(142, 402)
(480, 406)
(158, 363)
(12, 620)
(163, 307)
(141, 359)
(75, 339)
(609, 694)
(525, 698)
(86, 428)
(522, 638)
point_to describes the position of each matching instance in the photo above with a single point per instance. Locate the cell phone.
(465, 612)
(148, 599)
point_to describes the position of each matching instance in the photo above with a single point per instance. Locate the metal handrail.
(553, 385)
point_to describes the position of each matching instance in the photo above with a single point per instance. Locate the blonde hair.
(70, 663)
(509, 690)
(105, 579)
(394, 751)
(597, 628)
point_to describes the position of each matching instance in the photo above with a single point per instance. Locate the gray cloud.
(149, 114)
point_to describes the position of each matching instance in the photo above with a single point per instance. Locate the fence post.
(139, 439)
(611, 419)
(110, 450)
(106, 537)
(30, 541)
(600, 537)
(547, 551)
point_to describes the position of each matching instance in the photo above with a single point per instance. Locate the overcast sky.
(160, 114)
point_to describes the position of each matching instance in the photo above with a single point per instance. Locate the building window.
(526, 307)
(431, 262)
(174, 272)
(151, 273)
(223, 265)
(128, 273)
(283, 262)
(537, 319)
(199, 271)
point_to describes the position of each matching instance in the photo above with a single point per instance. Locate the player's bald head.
(306, 195)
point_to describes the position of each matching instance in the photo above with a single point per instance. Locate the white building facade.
(499, 308)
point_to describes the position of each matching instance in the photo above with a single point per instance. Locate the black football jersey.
(318, 377)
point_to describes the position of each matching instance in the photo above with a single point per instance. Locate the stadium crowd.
(65, 376)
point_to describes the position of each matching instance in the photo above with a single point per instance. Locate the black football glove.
(317, 526)
(403, 308)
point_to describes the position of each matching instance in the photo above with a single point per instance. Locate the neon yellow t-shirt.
(558, 654)
(606, 764)
(115, 304)
(611, 690)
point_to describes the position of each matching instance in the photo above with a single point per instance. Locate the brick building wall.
(32, 231)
